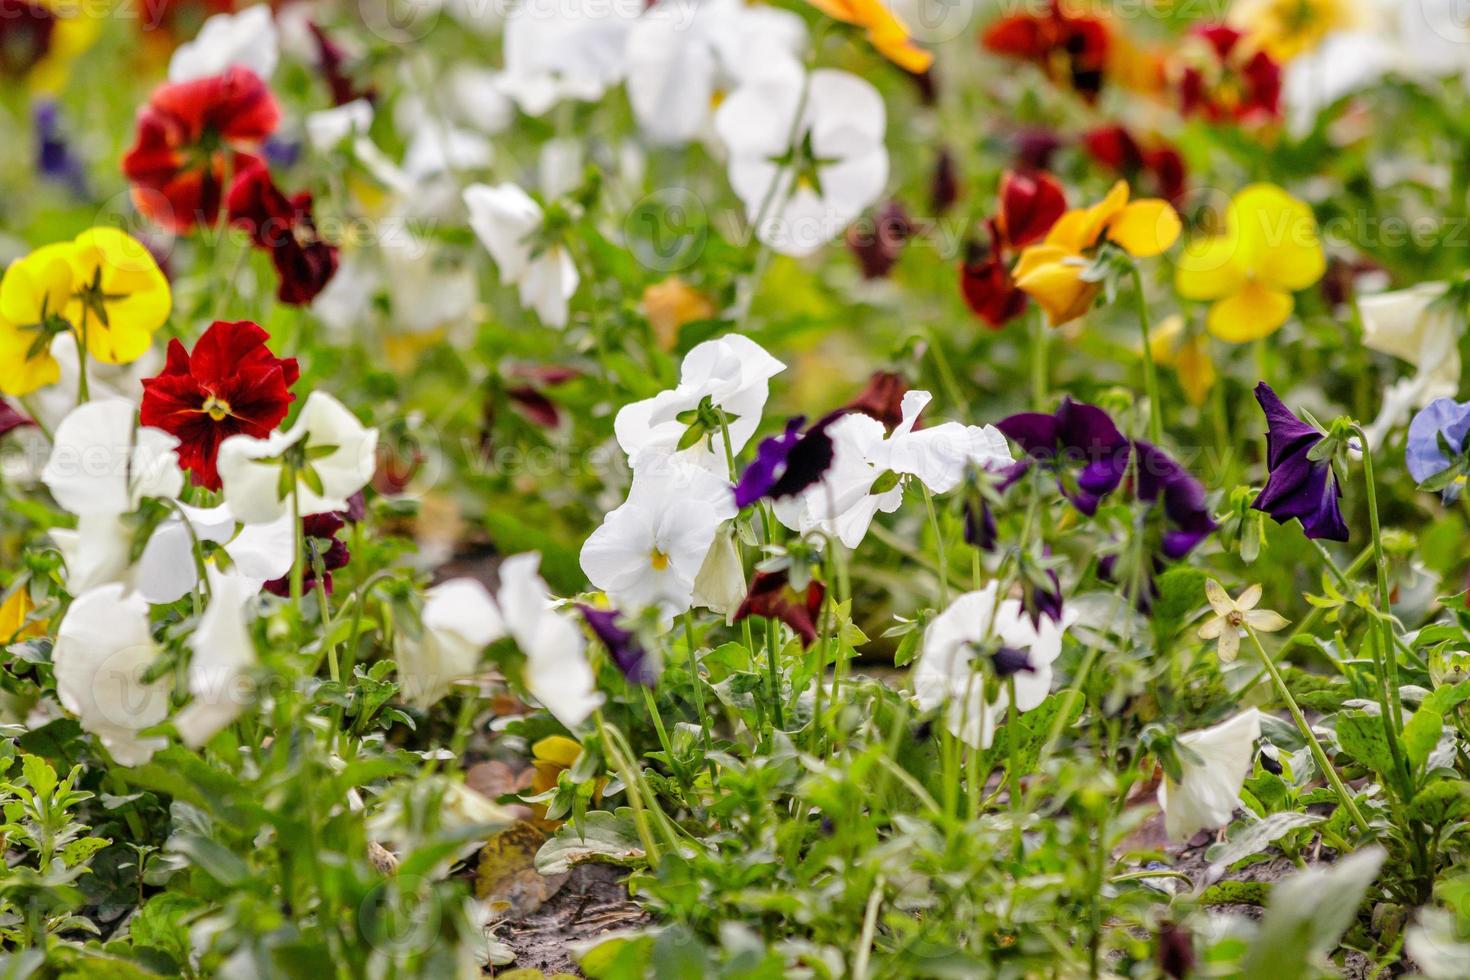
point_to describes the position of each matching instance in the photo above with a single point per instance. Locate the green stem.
(939, 545)
(83, 391)
(1318, 754)
(1040, 374)
(773, 669)
(1150, 373)
(1385, 625)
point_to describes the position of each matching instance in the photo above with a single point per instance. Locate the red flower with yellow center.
(191, 136)
(231, 383)
(1223, 78)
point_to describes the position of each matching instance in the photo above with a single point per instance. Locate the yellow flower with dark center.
(1268, 249)
(119, 295)
(889, 35)
(1051, 272)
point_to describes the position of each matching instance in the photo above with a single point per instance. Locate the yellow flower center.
(216, 408)
(658, 560)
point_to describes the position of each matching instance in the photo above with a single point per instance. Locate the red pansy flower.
(284, 227)
(986, 285)
(1029, 205)
(1070, 49)
(231, 383)
(1157, 166)
(319, 537)
(191, 135)
(772, 596)
(881, 398)
(11, 419)
(1223, 79)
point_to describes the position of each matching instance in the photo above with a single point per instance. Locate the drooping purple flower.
(1160, 477)
(54, 157)
(980, 529)
(787, 464)
(622, 645)
(1298, 487)
(1076, 434)
(1424, 455)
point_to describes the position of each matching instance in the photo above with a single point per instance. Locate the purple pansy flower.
(622, 645)
(54, 157)
(1076, 433)
(1424, 455)
(787, 464)
(1160, 477)
(1298, 486)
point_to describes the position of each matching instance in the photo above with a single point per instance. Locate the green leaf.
(1421, 734)
(1361, 736)
(1256, 837)
(1308, 914)
(210, 857)
(606, 837)
(39, 775)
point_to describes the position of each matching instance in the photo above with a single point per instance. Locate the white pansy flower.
(806, 153)
(102, 463)
(557, 672)
(1412, 325)
(1215, 762)
(437, 149)
(333, 454)
(248, 39)
(732, 373)
(507, 220)
(682, 57)
(104, 648)
(720, 585)
(974, 625)
(326, 129)
(650, 551)
(223, 653)
(853, 491)
(167, 569)
(556, 51)
(95, 552)
(476, 98)
(104, 381)
(459, 621)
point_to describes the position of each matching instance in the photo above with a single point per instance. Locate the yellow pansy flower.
(671, 304)
(74, 28)
(1268, 250)
(1285, 29)
(1187, 354)
(119, 295)
(34, 295)
(885, 31)
(1051, 272)
(13, 613)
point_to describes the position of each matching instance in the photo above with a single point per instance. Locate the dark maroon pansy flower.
(1030, 203)
(332, 60)
(877, 244)
(622, 645)
(10, 419)
(787, 464)
(882, 398)
(526, 392)
(1224, 78)
(772, 596)
(25, 36)
(319, 536)
(1035, 148)
(944, 184)
(284, 227)
(1157, 165)
(1298, 486)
